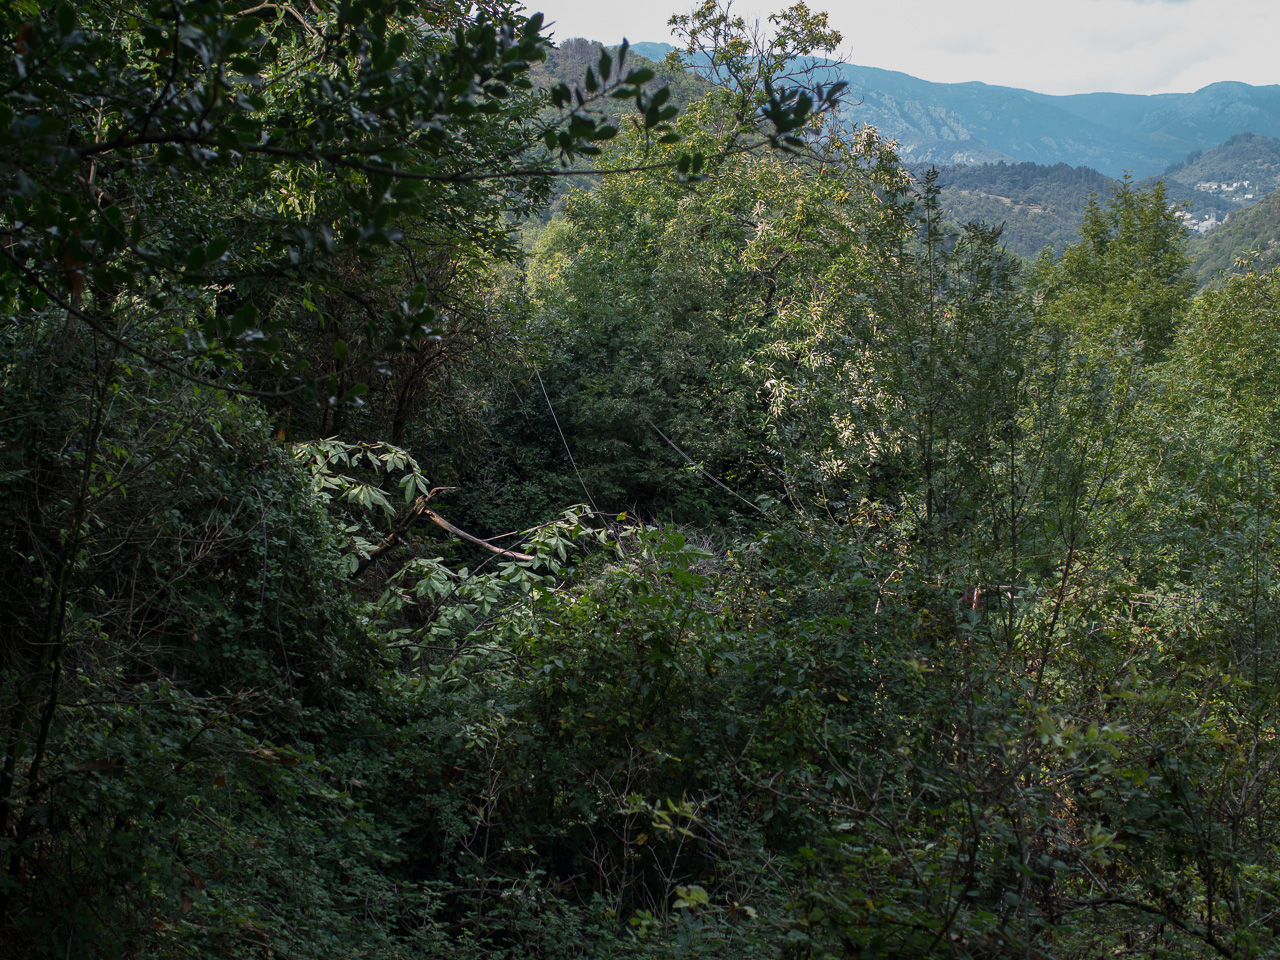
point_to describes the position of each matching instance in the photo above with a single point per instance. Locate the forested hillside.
(734, 561)
(1246, 157)
(1227, 179)
(1037, 206)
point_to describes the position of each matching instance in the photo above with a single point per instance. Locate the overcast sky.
(1050, 46)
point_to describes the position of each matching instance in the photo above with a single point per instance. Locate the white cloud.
(1052, 46)
(608, 22)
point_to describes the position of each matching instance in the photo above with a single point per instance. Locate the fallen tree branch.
(462, 534)
(419, 509)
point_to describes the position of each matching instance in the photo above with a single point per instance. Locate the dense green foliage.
(1128, 275)
(869, 595)
(1059, 185)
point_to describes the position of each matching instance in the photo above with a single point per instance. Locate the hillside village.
(1231, 188)
(1200, 225)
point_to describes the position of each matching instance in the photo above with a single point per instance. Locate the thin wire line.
(698, 467)
(556, 421)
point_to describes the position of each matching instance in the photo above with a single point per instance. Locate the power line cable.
(698, 467)
(556, 421)
(754, 506)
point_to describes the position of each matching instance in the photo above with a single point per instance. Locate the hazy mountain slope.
(975, 123)
(1021, 158)
(654, 51)
(1043, 206)
(1178, 123)
(1114, 133)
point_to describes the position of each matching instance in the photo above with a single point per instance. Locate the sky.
(1050, 46)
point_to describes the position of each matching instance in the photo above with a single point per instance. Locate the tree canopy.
(729, 559)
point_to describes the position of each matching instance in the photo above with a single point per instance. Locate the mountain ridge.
(972, 122)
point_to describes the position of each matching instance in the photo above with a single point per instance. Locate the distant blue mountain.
(1111, 132)
(951, 123)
